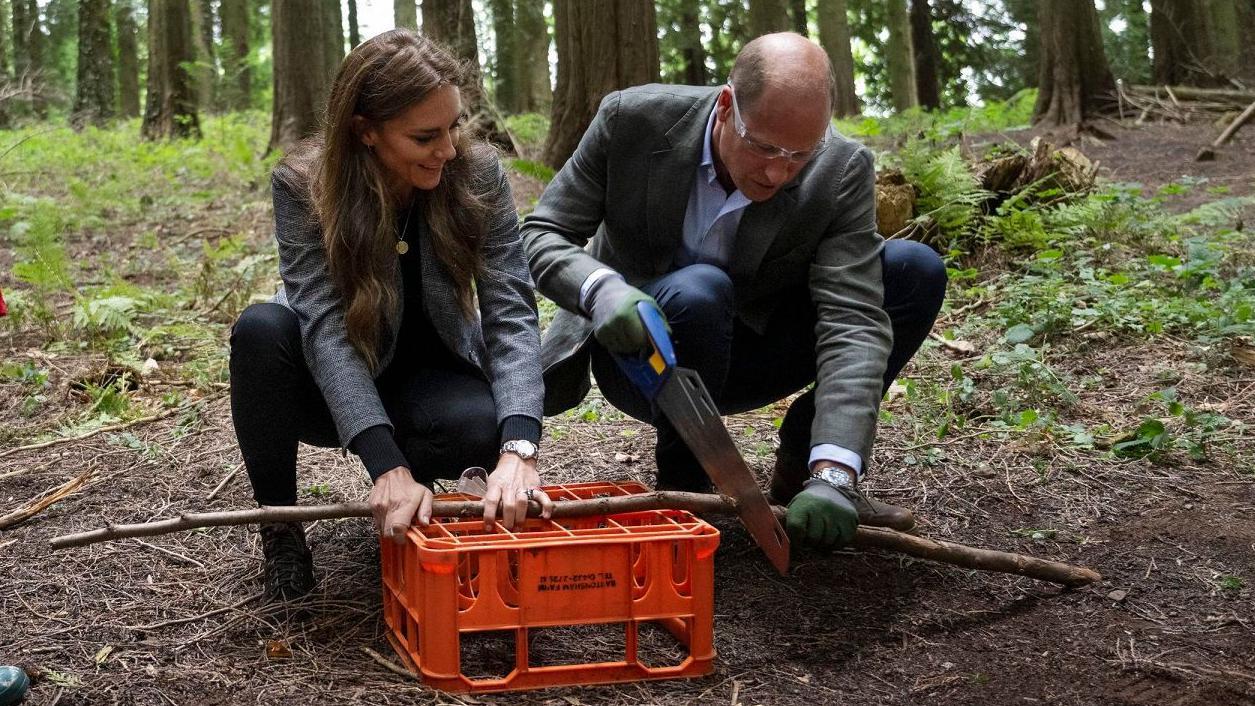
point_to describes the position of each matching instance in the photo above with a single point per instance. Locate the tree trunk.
(899, 59)
(1226, 37)
(452, 23)
(506, 67)
(767, 16)
(355, 33)
(1183, 39)
(171, 104)
(1074, 80)
(29, 43)
(206, 71)
(603, 45)
(6, 75)
(927, 57)
(693, 52)
(834, 36)
(301, 82)
(405, 13)
(1246, 21)
(535, 89)
(797, 14)
(94, 92)
(128, 59)
(237, 79)
(333, 40)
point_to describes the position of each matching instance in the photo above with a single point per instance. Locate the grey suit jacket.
(503, 343)
(619, 202)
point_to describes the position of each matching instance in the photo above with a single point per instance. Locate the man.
(740, 214)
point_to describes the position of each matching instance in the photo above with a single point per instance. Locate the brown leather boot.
(792, 470)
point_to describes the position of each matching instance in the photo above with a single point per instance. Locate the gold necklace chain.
(402, 246)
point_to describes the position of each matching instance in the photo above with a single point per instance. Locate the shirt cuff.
(592, 279)
(378, 450)
(838, 454)
(518, 427)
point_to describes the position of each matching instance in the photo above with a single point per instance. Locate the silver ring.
(530, 493)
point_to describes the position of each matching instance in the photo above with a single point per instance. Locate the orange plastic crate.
(452, 583)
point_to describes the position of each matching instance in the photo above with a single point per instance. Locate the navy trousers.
(745, 370)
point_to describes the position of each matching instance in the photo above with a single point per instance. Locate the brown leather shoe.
(792, 471)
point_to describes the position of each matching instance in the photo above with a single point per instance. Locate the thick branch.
(867, 537)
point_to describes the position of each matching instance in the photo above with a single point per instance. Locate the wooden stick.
(867, 537)
(1208, 153)
(35, 507)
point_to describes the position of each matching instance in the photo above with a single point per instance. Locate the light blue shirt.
(710, 224)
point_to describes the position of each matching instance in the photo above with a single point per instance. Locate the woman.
(395, 228)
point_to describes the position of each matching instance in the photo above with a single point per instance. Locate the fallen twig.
(227, 479)
(869, 537)
(35, 507)
(87, 435)
(387, 663)
(1208, 153)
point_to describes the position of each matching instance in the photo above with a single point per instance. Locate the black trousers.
(444, 416)
(743, 370)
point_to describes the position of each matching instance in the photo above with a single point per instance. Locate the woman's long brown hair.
(348, 189)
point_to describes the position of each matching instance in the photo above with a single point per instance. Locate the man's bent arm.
(569, 213)
(853, 335)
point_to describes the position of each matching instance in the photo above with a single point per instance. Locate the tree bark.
(301, 81)
(405, 13)
(1226, 37)
(237, 84)
(206, 71)
(171, 105)
(128, 59)
(866, 537)
(797, 15)
(899, 58)
(355, 33)
(333, 40)
(603, 45)
(506, 67)
(94, 93)
(1074, 81)
(29, 43)
(452, 23)
(693, 53)
(927, 57)
(1183, 39)
(834, 36)
(767, 16)
(536, 90)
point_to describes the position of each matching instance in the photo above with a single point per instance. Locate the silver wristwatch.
(522, 448)
(835, 476)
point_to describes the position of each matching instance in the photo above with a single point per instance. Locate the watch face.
(837, 477)
(524, 448)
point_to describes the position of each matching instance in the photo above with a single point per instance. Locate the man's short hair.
(749, 75)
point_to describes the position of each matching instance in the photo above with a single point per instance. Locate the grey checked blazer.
(619, 202)
(503, 342)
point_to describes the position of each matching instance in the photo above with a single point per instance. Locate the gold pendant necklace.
(402, 246)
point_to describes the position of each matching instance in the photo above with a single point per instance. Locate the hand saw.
(681, 395)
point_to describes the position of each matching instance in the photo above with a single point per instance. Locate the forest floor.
(1115, 432)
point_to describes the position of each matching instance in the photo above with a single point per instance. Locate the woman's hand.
(508, 487)
(395, 501)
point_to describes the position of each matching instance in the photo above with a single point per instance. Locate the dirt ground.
(175, 619)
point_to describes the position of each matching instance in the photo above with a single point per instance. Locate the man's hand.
(508, 490)
(822, 516)
(617, 324)
(395, 500)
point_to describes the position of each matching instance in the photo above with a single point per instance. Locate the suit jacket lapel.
(758, 230)
(671, 173)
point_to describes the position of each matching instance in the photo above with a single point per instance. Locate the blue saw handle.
(649, 372)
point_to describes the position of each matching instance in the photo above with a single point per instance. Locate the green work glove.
(822, 516)
(616, 322)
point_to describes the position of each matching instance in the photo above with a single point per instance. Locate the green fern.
(949, 194)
